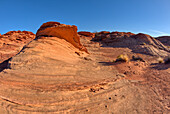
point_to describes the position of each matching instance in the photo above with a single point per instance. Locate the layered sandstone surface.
(55, 74)
(12, 42)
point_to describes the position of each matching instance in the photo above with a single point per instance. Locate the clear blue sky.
(147, 16)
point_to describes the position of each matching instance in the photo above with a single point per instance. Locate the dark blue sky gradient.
(147, 16)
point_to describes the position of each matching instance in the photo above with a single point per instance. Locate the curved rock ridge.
(66, 32)
(139, 43)
(12, 42)
(164, 39)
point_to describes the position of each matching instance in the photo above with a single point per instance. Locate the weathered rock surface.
(139, 43)
(164, 39)
(12, 42)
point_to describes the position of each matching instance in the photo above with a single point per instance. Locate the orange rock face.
(88, 34)
(12, 42)
(66, 32)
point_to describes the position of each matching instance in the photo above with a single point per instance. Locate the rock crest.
(66, 32)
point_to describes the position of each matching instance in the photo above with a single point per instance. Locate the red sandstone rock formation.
(66, 32)
(88, 34)
(50, 75)
(12, 42)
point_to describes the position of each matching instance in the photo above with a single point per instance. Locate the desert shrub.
(144, 43)
(167, 60)
(122, 58)
(160, 60)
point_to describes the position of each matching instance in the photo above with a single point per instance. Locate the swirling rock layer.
(53, 72)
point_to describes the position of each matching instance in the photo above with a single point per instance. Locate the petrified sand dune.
(54, 74)
(51, 70)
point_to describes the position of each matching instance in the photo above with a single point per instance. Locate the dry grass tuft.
(122, 58)
(160, 60)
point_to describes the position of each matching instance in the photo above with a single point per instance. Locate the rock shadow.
(110, 63)
(4, 65)
(160, 66)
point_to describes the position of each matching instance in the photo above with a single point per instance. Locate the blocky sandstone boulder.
(66, 32)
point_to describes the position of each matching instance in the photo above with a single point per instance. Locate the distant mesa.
(66, 32)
